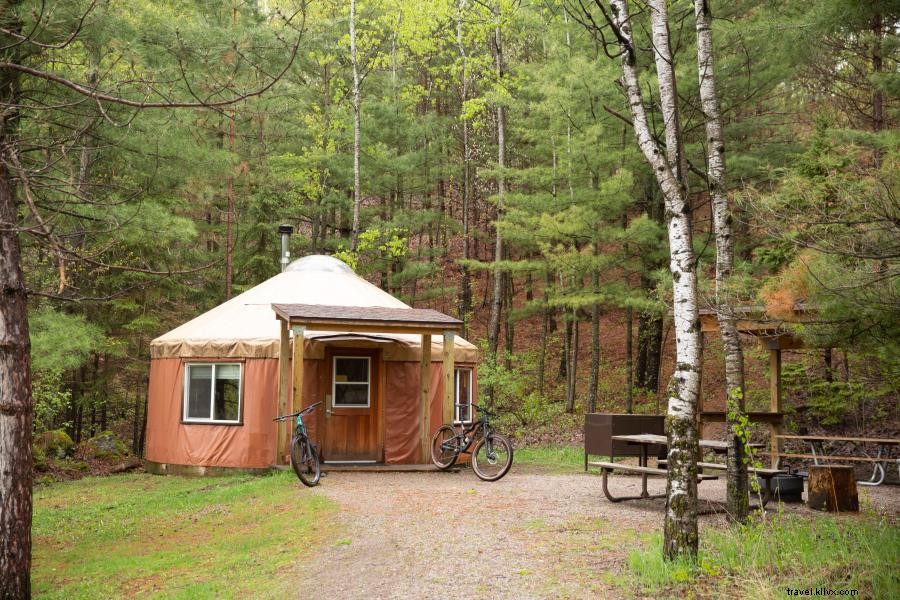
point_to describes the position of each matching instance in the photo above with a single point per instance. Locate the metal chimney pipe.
(285, 231)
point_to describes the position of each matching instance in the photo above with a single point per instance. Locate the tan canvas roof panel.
(247, 327)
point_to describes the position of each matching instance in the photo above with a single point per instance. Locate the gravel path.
(530, 535)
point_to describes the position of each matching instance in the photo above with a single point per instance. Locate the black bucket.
(787, 488)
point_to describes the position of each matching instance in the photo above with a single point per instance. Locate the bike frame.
(483, 424)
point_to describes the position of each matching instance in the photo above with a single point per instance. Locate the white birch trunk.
(354, 236)
(680, 528)
(738, 487)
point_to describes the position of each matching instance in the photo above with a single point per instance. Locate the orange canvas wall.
(249, 445)
(252, 444)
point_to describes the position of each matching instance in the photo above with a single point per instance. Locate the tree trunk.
(680, 527)
(737, 483)
(545, 333)
(595, 343)
(465, 282)
(509, 325)
(497, 301)
(15, 388)
(229, 216)
(354, 236)
(629, 360)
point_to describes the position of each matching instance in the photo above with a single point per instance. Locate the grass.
(133, 535)
(552, 458)
(766, 558)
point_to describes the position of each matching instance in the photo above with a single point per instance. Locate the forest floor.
(543, 531)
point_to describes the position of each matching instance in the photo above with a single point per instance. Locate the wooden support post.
(284, 382)
(775, 403)
(449, 373)
(700, 391)
(296, 401)
(425, 398)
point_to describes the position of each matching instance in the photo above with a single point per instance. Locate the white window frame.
(456, 400)
(212, 392)
(367, 383)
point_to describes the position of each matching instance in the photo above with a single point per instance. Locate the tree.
(354, 237)
(737, 485)
(27, 63)
(669, 167)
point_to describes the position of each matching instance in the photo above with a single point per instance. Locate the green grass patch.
(553, 458)
(133, 535)
(767, 557)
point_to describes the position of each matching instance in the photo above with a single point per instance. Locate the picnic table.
(646, 441)
(817, 453)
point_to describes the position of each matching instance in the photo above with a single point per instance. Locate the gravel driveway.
(529, 535)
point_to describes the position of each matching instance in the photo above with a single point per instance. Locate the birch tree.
(680, 526)
(738, 489)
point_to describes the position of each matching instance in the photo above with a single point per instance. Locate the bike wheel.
(492, 457)
(305, 461)
(444, 448)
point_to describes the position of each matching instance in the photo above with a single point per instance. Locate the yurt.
(387, 375)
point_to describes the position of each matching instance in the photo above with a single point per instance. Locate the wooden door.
(353, 425)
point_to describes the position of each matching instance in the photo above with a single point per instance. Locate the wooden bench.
(816, 443)
(644, 472)
(765, 474)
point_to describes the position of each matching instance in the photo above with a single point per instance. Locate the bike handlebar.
(487, 412)
(301, 412)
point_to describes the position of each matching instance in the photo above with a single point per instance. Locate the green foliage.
(831, 403)
(50, 397)
(60, 341)
(558, 459)
(765, 557)
(81, 528)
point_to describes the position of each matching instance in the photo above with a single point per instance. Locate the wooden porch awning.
(366, 319)
(299, 318)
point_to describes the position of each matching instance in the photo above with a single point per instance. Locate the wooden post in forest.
(284, 382)
(449, 369)
(425, 398)
(775, 403)
(296, 399)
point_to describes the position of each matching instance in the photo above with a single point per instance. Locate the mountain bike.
(304, 454)
(492, 454)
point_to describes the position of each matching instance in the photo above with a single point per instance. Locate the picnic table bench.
(817, 453)
(645, 440)
(765, 474)
(644, 472)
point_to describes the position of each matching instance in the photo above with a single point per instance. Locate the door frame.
(376, 396)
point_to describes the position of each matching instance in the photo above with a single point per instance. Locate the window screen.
(351, 381)
(213, 392)
(463, 395)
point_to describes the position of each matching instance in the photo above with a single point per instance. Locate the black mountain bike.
(492, 455)
(304, 454)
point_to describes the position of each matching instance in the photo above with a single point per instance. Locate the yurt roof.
(246, 325)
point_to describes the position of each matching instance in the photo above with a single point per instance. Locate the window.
(351, 382)
(212, 393)
(463, 414)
